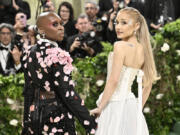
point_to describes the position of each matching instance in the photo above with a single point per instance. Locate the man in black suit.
(9, 54)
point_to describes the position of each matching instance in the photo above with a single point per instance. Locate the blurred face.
(90, 10)
(5, 36)
(64, 13)
(52, 27)
(21, 18)
(50, 5)
(125, 26)
(83, 25)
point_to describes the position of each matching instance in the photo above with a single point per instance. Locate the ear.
(40, 30)
(137, 26)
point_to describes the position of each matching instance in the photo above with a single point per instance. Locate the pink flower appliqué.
(57, 55)
(46, 128)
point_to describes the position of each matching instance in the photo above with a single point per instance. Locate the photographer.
(9, 52)
(48, 6)
(99, 25)
(84, 43)
(9, 8)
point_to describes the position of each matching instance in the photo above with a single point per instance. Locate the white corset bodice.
(127, 76)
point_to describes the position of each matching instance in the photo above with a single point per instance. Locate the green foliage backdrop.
(162, 110)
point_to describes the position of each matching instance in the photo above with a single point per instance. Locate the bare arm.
(118, 59)
(146, 93)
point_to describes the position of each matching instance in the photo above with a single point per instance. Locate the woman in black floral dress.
(50, 102)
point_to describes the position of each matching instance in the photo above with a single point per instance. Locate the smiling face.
(50, 24)
(5, 36)
(126, 26)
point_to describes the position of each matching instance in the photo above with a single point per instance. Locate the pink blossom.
(40, 75)
(25, 65)
(56, 83)
(51, 119)
(68, 69)
(82, 102)
(42, 47)
(54, 130)
(25, 57)
(69, 116)
(46, 128)
(57, 74)
(65, 78)
(71, 82)
(32, 108)
(57, 119)
(60, 130)
(86, 122)
(93, 131)
(30, 59)
(40, 60)
(38, 54)
(67, 94)
(45, 70)
(47, 83)
(47, 44)
(39, 42)
(62, 116)
(47, 88)
(29, 73)
(66, 133)
(43, 65)
(54, 59)
(51, 133)
(72, 93)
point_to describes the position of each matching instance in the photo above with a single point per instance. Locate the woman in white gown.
(118, 111)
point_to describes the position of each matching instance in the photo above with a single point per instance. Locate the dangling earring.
(43, 35)
(135, 33)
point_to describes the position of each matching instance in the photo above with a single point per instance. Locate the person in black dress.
(50, 101)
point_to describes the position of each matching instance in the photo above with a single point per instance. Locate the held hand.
(96, 112)
(16, 55)
(75, 44)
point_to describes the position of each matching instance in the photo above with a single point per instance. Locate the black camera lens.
(22, 16)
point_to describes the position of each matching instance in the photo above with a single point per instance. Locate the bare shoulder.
(120, 45)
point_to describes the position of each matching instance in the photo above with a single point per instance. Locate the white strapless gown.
(123, 114)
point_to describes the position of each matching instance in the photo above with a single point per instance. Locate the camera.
(18, 42)
(100, 24)
(88, 38)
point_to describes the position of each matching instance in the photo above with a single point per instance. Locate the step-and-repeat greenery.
(162, 110)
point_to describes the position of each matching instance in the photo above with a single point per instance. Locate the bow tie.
(3, 48)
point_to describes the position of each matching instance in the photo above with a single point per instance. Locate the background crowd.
(83, 34)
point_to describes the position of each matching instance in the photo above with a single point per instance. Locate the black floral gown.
(50, 102)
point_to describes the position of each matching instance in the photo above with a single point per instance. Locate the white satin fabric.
(123, 113)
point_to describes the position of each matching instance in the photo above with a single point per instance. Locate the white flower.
(146, 110)
(159, 96)
(178, 78)
(165, 47)
(178, 52)
(13, 122)
(170, 103)
(10, 101)
(99, 83)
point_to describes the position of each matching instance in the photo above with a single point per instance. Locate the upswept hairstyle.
(69, 6)
(143, 36)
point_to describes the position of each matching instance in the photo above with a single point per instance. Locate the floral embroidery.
(93, 131)
(57, 74)
(69, 116)
(86, 122)
(54, 130)
(72, 93)
(55, 55)
(57, 119)
(65, 78)
(46, 128)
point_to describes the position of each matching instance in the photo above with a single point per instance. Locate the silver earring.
(134, 32)
(43, 35)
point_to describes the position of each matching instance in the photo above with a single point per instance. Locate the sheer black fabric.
(50, 102)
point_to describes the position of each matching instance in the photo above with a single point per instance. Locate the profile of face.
(50, 24)
(125, 26)
(21, 18)
(64, 13)
(5, 36)
(90, 10)
(83, 25)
